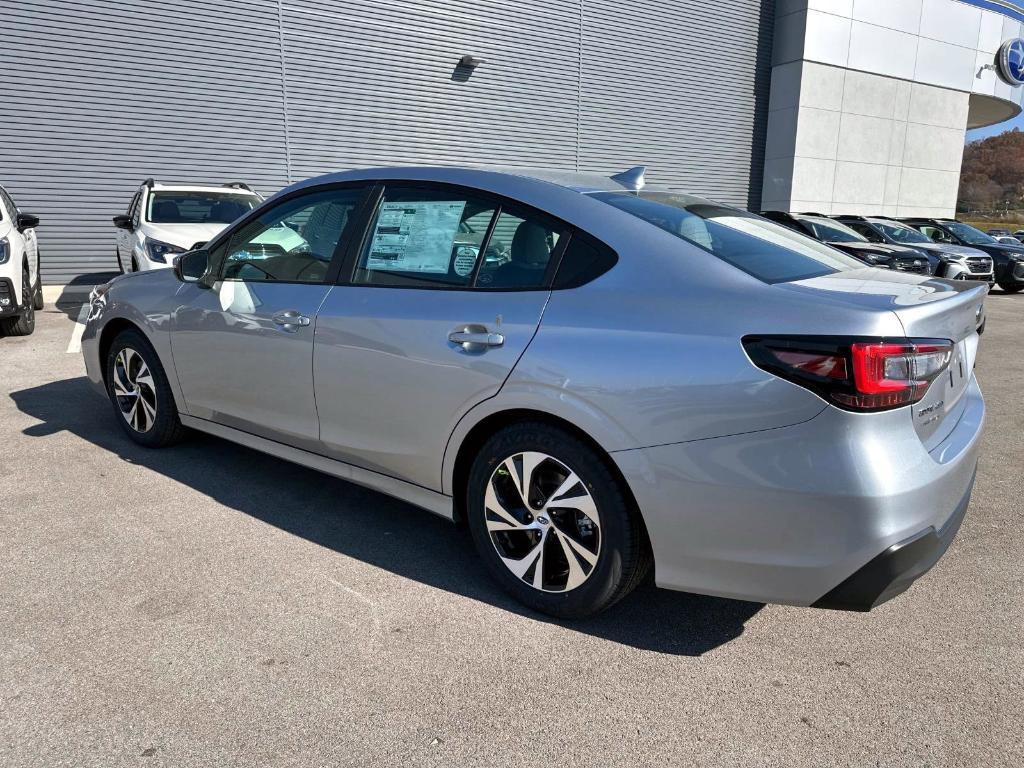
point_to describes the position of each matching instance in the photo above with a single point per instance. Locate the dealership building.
(835, 106)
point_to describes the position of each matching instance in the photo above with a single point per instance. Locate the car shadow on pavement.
(371, 527)
(76, 293)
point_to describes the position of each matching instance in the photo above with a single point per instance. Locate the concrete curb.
(65, 293)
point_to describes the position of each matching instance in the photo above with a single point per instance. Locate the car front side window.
(293, 242)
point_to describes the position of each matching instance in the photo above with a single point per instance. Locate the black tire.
(1011, 287)
(165, 427)
(37, 295)
(135, 264)
(24, 323)
(623, 555)
(117, 257)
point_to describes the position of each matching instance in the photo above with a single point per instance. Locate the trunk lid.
(927, 308)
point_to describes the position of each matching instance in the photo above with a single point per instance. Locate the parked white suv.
(21, 288)
(164, 220)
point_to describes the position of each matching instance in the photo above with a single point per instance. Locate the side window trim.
(482, 256)
(353, 230)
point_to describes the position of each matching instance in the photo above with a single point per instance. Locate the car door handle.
(473, 337)
(291, 320)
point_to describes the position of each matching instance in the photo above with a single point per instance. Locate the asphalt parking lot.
(211, 606)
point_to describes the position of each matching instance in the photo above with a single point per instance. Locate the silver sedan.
(597, 378)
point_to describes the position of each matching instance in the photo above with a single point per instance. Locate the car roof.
(577, 181)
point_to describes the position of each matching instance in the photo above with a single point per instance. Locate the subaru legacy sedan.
(609, 378)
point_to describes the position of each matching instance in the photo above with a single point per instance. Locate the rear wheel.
(139, 391)
(24, 323)
(551, 522)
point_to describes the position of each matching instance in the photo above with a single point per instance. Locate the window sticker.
(415, 237)
(465, 260)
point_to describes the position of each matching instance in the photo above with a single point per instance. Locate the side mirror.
(123, 221)
(191, 267)
(27, 221)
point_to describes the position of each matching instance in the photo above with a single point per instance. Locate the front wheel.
(1011, 287)
(24, 323)
(140, 393)
(552, 523)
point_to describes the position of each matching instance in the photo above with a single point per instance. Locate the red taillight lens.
(888, 375)
(854, 374)
(829, 366)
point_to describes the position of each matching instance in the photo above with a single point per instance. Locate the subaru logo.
(1010, 61)
(543, 520)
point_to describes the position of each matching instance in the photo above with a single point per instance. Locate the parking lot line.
(75, 344)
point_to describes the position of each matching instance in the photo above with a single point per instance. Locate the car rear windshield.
(768, 251)
(198, 207)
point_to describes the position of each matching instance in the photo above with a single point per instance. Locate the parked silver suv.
(642, 377)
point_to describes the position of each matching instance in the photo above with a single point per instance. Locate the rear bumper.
(790, 515)
(894, 570)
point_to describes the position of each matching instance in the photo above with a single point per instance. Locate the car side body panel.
(391, 386)
(145, 300)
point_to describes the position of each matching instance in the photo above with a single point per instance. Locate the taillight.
(855, 374)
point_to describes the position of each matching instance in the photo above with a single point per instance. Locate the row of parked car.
(943, 247)
(163, 220)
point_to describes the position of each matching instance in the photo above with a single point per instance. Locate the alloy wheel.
(134, 390)
(543, 522)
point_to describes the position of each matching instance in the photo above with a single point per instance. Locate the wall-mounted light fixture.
(471, 62)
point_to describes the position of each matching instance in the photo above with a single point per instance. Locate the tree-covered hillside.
(992, 177)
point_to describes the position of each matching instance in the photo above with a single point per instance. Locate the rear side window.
(425, 238)
(519, 253)
(448, 238)
(585, 259)
(761, 248)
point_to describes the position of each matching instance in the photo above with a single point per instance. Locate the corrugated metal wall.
(100, 95)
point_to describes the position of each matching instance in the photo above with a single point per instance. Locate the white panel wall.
(870, 102)
(843, 141)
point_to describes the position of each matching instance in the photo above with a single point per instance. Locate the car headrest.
(166, 210)
(530, 244)
(226, 211)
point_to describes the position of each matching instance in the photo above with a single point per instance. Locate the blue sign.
(1012, 8)
(1010, 61)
